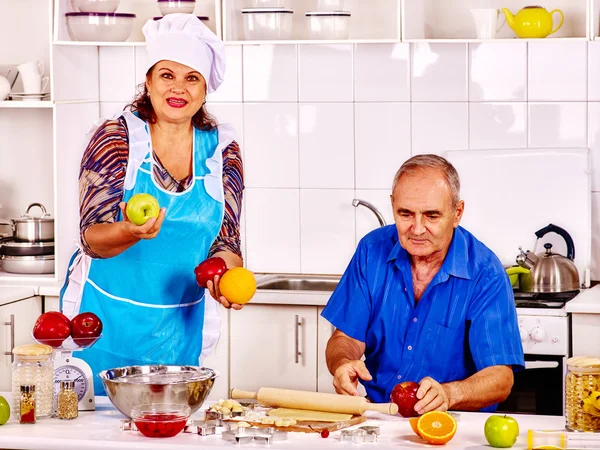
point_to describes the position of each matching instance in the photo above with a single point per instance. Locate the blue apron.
(147, 297)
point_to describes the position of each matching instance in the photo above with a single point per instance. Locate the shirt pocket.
(443, 357)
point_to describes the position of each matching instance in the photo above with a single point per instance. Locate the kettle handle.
(562, 232)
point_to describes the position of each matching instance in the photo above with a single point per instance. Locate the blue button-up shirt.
(465, 321)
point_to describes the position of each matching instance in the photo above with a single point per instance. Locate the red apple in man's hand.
(208, 269)
(85, 328)
(405, 396)
(52, 328)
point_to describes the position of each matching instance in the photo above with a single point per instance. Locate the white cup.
(31, 67)
(4, 88)
(486, 22)
(34, 83)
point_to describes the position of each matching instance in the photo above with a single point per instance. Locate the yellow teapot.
(533, 21)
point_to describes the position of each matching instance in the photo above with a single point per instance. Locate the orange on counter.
(413, 424)
(436, 427)
(238, 285)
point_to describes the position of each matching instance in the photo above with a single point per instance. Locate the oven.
(544, 327)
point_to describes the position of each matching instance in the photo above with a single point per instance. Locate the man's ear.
(458, 213)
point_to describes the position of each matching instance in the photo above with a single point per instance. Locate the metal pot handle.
(42, 207)
(562, 232)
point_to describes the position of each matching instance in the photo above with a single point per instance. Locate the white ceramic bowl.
(269, 3)
(106, 6)
(204, 19)
(331, 5)
(267, 23)
(100, 27)
(328, 24)
(176, 6)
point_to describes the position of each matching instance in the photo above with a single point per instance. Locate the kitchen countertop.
(587, 302)
(9, 294)
(101, 429)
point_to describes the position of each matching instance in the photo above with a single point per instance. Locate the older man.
(425, 301)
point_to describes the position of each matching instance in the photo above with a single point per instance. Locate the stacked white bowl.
(176, 6)
(267, 20)
(96, 20)
(330, 20)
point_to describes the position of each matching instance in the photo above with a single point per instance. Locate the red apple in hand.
(52, 328)
(85, 328)
(208, 269)
(405, 396)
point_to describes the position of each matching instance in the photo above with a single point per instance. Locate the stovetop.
(554, 300)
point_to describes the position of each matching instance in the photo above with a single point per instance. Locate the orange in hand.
(436, 427)
(238, 285)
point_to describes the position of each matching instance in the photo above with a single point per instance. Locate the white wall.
(321, 124)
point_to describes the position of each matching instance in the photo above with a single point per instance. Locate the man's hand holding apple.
(346, 376)
(148, 230)
(432, 396)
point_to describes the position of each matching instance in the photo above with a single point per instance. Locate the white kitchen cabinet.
(273, 346)
(585, 334)
(324, 332)
(17, 319)
(51, 303)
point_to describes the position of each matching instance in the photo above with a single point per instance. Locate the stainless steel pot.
(27, 264)
(549, 272)
(10, 247)
(32, 229)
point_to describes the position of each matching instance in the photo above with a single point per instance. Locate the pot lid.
(584, 364)
(32, 350)
(28, 217)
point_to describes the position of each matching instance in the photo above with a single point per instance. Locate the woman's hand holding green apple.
(148, 228)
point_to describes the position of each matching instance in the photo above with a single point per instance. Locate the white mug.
(31, 67)
(486, 22)
(4, 88)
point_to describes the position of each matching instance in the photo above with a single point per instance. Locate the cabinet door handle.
(11, 324)
(298, 324)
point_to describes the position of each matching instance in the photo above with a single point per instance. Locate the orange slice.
(436, 427)
(413, 424)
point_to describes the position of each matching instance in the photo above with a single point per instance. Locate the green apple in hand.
(501, 431)
(141, 208)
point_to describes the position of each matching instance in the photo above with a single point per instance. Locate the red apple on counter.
(208, 269)
(85, 328)
(405, 396)
(52, 328)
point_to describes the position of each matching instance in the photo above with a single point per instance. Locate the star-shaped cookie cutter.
(250, 435)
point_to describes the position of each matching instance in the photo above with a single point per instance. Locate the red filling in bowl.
(160, 424)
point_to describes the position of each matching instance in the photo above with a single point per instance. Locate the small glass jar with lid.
(582, 394)
(33, 366)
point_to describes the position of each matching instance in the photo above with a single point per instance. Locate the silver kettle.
(549, 272)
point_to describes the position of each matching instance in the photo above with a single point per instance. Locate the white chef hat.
(183, 38)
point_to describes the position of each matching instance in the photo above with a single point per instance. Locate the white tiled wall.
(322, 124)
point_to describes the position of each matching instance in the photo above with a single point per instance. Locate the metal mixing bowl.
(132, 386)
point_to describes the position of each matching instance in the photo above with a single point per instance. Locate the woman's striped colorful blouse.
(102, 178)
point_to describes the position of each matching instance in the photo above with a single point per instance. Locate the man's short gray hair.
(430, 161)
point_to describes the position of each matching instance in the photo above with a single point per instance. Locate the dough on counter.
(304, 415)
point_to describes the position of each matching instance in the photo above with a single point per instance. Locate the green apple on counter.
(501, 431)
(4, 411)
(141, 208)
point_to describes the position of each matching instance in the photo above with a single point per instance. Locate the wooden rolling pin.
(314, 401)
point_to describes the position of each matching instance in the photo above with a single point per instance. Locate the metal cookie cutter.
(128, 425)
(372, 433)
(250, 435)
(201, 427)
(214, 416)
(360, 435)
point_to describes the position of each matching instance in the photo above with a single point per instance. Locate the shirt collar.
(456, 262)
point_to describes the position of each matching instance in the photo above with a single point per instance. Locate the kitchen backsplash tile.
(325, 73)
(498, 71)
(117, 73)
(270, 73)
(439, 72)
(437, 127)
(141, 60)
(327, 230)
(382, 142)
(231, 89)
(497, 125)
(595, 269)
(272, 230)
(326, 147)
(271, 145)
(558, 124)
(381, 72)
(593, 72)
(557, 71)
(594, 142)
(231, 114)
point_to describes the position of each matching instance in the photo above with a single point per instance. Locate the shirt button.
(414, 319)
(405, 290)
(409, 347)
(399, 377)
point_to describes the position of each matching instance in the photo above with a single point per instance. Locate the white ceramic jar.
(100, 27)
(267, 23)
(106, 6)
(176, 6)
(328, 24)
(331, 5)
(269, 3)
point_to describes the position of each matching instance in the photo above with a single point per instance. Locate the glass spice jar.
(67, 402)
(33, 366)
(582, 394)
(27, 404)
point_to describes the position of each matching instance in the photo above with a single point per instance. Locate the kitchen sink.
(290, 282)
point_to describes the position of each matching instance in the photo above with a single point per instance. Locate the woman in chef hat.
(140, 280)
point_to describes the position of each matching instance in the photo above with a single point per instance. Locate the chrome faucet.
(357, 202)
